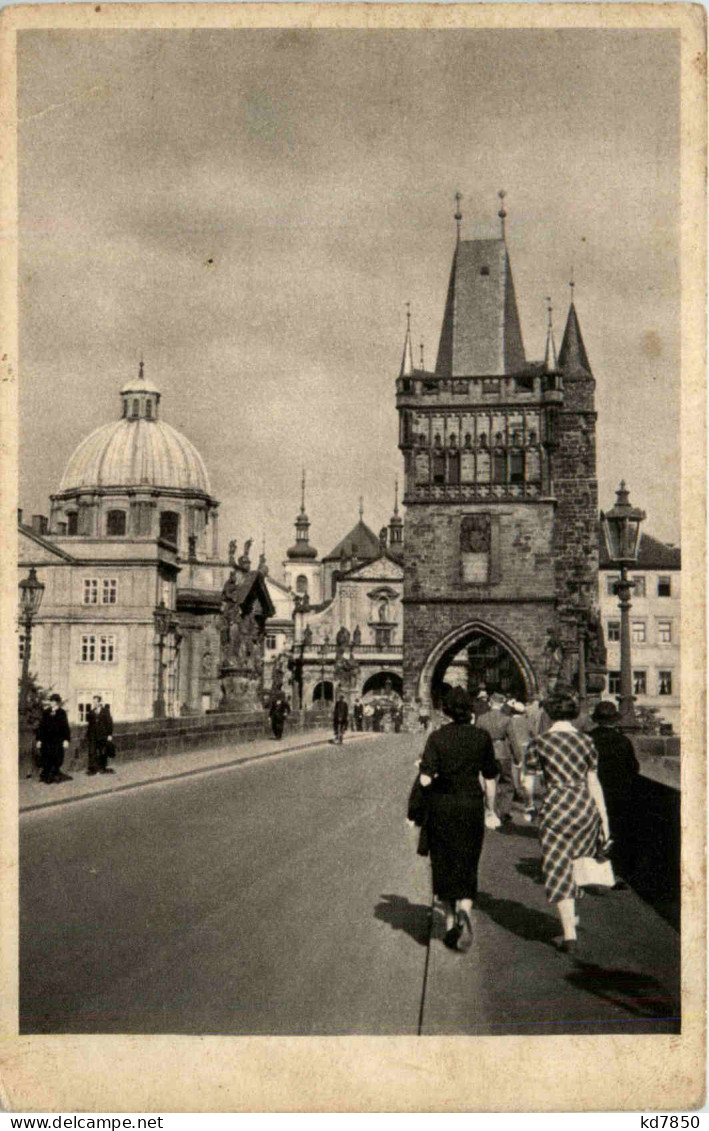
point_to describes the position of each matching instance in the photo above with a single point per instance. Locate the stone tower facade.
(500, 489)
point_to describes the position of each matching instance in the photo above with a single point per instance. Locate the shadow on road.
(412, 918)
(526, 922)
(638, 994)
(531, 868)
(513, 829)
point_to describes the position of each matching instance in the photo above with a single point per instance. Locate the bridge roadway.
(285, 896)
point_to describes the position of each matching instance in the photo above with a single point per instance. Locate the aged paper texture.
(427, 96)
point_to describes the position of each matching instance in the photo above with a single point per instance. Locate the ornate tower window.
(169, 526)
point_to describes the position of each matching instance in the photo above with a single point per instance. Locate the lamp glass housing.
(31, 594)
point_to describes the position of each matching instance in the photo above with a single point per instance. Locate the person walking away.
(278, 714)
(358, 714)
(618, 772)
(457, 758)
(497, 724)
(520, 735)
(573, 820)
(339, 718)
(481, 704)
(424, 715)
(99, 732)
(53, 738)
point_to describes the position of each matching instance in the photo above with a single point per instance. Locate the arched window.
(437, 440)
(72, 522)
(454, 467)
(169, 526)
(516, 467)
(439, 467)
(116, 524)
(452, 440)
(301, 583)
(135, 412)
(483, 439)
(148, 409)
(498, 467)
(468, 439)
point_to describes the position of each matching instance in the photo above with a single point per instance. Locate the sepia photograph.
(351, 496)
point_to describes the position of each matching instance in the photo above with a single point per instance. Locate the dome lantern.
(140, 398)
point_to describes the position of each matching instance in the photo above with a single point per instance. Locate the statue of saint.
(308, 636)
(245, 561)
(232, 552)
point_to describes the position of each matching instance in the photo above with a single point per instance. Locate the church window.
(454, 467)
(498, 437)
(115, 524)
(169, 526)
(452, 440)
(136, 409)
(516, 467)
(437, 440)
(483, 439)
(148, 409)
(301, 583)
(439, 468)
(72, 522)
(498, 467)
(468, 439)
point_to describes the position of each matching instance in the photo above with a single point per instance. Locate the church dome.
(139, 450)
(136, 453)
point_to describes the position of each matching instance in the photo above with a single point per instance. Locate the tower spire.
(550, 359)
(407, 360)
(302, 547)
(458, 214)
(302, 493)
(502, 213)
(361, 507)
(396, 522)
(421, 349)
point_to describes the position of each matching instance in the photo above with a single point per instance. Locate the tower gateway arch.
(501, 553)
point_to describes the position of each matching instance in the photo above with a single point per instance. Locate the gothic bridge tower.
(501, 494)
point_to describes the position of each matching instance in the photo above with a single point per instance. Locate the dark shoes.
(106, 770)
(566, 946)
(91, 770)
(451, 937)
(466, 931)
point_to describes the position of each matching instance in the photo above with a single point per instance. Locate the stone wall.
(155, 737)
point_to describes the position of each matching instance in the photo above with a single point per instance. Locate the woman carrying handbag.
(454, 761)
(573, 824)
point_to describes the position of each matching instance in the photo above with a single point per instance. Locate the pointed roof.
(481, 334)
(361, 542)
(572, 356)
(407, 359)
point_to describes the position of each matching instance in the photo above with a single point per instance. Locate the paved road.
(285, 896)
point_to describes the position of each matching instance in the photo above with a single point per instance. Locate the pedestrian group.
(577, 786)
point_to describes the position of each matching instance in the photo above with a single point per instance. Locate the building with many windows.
(654, 627)
(132, 532)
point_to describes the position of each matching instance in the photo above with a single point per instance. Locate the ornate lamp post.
(162, 619)
(621, 528)
(31, 594)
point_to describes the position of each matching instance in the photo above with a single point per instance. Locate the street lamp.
(621, 528)
(162, 619)
(31, 593)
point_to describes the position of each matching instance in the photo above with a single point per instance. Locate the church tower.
(500, 492)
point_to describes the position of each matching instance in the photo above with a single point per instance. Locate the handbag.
(417, 811)
(110, 748)
(591, 871)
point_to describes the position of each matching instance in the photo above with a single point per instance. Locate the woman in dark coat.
(453, 761)
(53, 737)
(618, 771)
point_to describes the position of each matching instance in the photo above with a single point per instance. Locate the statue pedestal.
(241, 690)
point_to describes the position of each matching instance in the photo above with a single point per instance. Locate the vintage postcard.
(353, 393)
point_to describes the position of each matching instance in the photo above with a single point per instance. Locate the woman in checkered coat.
(573, 817)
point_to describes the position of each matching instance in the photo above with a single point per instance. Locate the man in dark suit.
(278, 714)
(53, 737)
(99, 732)
(340, 717)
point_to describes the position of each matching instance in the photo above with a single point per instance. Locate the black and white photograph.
(351, 586)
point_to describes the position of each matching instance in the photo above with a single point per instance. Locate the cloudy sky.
(252, 209)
